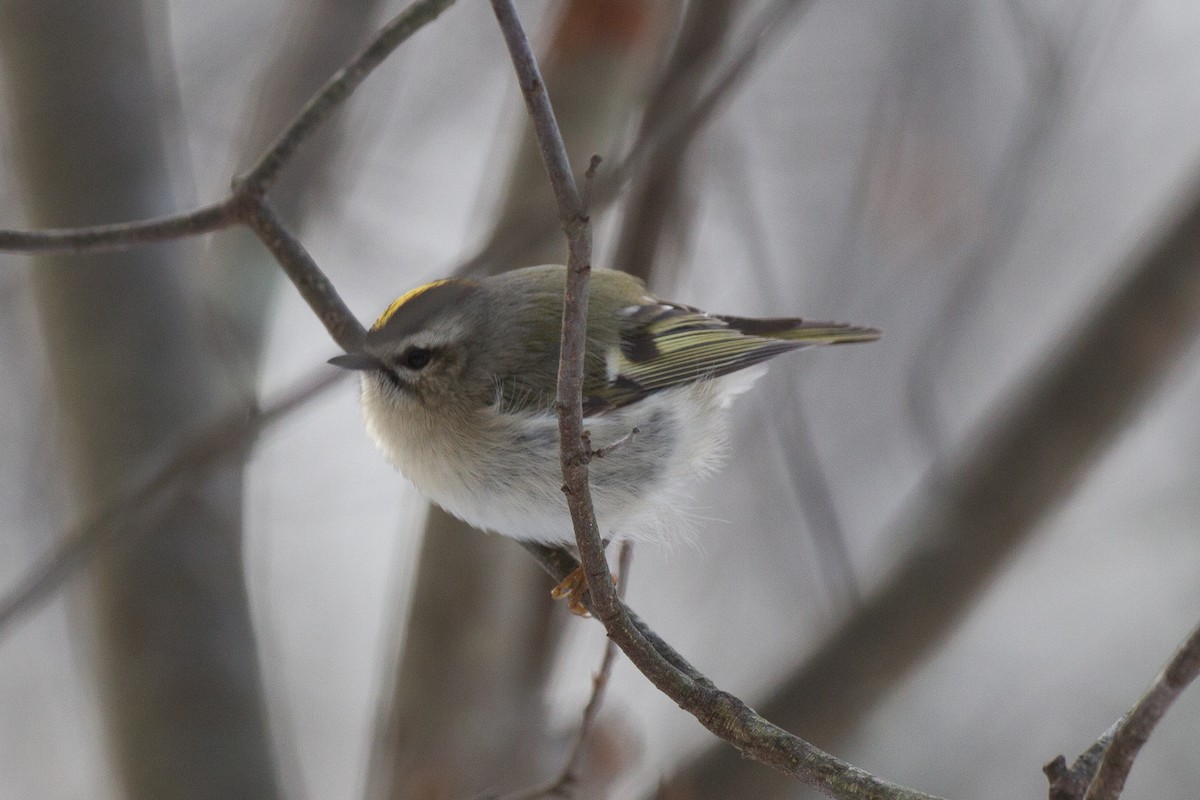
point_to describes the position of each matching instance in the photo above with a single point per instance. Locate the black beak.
(356, 361)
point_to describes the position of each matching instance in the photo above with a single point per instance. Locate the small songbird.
(458, 391)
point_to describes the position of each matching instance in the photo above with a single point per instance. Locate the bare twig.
(724, 714)
(259, 178)
(256, 212)
(600, 679)
(341, 86)
(205, 219)
(224, 439)
(656, 203)
(675, 131)
(608, 449)
(1135, 728)
(563, 784)
(1071, 784)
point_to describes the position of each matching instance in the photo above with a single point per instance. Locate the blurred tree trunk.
(98, 311)
(657, 210)
(467, 711)
(134, 371)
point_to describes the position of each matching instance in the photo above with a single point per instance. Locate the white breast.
(501, 472)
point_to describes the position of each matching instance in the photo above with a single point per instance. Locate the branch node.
(1055, 769)
(604, 450)
(585, 197)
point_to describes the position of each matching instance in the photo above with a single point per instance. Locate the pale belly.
(501, 473)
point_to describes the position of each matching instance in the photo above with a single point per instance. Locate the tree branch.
(248, 205)
(674, 130)
(345, 329)
(1135, 728)
(92, 239)
(259, 178)
(563, 783)
(1071, 784)
(339, 87)
(722, 713)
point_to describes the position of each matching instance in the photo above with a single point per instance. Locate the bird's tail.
(803, 331)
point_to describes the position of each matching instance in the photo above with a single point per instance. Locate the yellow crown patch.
(412, 294)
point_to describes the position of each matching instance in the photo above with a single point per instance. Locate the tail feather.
(802, 330)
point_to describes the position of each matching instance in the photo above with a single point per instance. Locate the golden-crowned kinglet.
(458, 391)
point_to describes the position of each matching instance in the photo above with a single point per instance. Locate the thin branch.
(258, 179)
(1135, 728)
(805, 473)
(1071, 784)
(205, 219)
(606, 450)
(600, 680)
(225, 439)
(257, 213)
(722, 713)
(656, 203)
(726, 715)
(339, 87)
(676, 131)
(563, 784)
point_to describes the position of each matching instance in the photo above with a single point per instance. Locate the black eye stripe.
(416, 358)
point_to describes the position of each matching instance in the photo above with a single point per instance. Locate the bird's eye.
(416, 358)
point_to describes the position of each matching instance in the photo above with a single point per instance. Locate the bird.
(458, 389)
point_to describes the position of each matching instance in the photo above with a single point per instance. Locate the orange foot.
(573, 588)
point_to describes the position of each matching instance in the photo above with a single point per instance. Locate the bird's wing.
(664, 345)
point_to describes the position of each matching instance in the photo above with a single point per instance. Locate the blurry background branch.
(987, 503)
(1053, 77)
(138, 506)
(167, 621)
(681, 112)
(566, 782)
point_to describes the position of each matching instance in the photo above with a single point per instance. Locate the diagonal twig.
(1135, 727)
(563, 784)
(674, 131)
(1071, 783)
(316, 289)
(256, 181)
(224, 439)
(339, 87)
